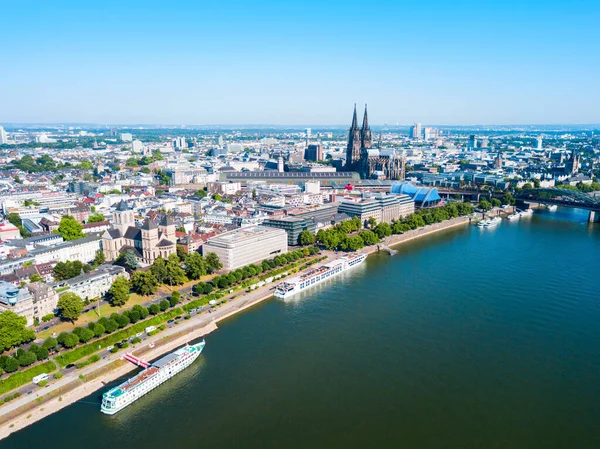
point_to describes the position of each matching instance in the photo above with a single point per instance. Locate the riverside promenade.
(71, 388)
(78, 384)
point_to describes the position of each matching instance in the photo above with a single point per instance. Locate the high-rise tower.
(354, 145)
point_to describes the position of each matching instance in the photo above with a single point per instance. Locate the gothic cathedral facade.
(371, 162)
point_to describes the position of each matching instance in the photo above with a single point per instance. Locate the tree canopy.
(118, 294)
(96, 218)
(144, 283)
(69, 269)
(70, 229)
(306, 238)
(13, 330)
(70, 306)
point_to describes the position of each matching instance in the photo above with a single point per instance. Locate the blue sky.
(275, 62)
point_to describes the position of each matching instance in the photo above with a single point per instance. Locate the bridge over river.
(547, 196)
(564, 198)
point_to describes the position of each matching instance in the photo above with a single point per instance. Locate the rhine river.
(467, 339)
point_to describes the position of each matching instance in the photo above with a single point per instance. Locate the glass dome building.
(421, 195)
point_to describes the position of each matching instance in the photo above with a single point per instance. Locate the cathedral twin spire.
(358, 139)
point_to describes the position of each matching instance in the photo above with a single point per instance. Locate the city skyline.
(289, 64)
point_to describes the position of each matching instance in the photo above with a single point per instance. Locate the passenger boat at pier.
(526, 213)
(489, 222)
(151, 377)
(317, 275)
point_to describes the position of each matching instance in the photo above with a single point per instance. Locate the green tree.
(382, 230)
(159, 269)
(306, 238)
(217, 197)
(50, 343)
(213, 262)
(353, 243)
(99, 330)
(485, 205)
(70, 306)
(164, 305)
(175, 274)
(85, 334)
(70, 229)
(200, 193)
(35, 277)
(195, 266)
(11, 365)
(369, 237)
(14, 219)
(99, 259)
(174, 299)
(128, 260)
(118, 293)
(154, 309)
(527, 186)
(507, 198)
(25, 358)
(13, 330)
(141, 310)
(144, 283)
(96, 218)
(67, 339)
(132, 162)
(86, 165)
(372, 222)
(69, 269)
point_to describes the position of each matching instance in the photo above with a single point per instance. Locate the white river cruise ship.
(317, 275)
(155, 374)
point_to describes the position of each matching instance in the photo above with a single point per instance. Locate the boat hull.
(119, 403)
(289, 293)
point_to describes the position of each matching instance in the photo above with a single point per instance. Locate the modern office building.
(3, 136)
(314, 152)
(416, 131)
(383, 208)
(292, 226)
(247, 245)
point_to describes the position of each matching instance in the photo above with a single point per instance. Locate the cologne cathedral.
(371, 163)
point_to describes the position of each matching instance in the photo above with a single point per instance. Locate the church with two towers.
(369, 162)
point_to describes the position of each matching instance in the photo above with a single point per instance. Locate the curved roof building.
(422, 196)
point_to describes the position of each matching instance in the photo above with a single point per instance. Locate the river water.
(469, 338)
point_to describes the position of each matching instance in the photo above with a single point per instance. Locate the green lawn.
(93, 315)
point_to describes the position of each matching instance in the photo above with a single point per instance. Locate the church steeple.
(354, 144)
(366, 139)
(365, 119)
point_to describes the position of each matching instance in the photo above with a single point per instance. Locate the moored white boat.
(317, 275)
(526, 212)
(151, 377)
(489, 222)
(512, 217)
(552, 207)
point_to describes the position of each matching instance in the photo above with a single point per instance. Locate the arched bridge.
(562, 197)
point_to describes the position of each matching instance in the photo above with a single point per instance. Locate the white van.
(39, 378)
